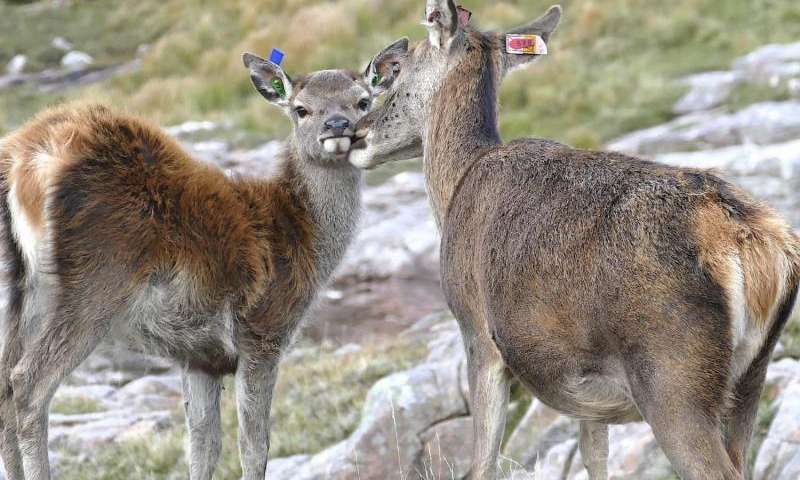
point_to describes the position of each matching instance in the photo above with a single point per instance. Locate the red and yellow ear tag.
(464, 16)
(519, 44)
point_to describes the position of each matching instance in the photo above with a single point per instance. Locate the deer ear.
(543, 27)
(442, 22)
(269, 79)
(384, 69)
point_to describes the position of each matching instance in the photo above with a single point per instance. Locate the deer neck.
(462, 122)
(332, 197)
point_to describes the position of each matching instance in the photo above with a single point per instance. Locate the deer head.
(396, 131)
(323, 107)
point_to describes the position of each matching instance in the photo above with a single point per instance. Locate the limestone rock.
(17, 64)
(706, 91)
(76, 60)
(761, 124)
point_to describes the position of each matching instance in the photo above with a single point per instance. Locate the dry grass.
(318, 402)
(611, 70)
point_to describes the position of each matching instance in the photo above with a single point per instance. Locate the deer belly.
(568, 381)
(169, 328)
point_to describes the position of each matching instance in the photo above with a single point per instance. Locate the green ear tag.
(377, 79)
(277, 84)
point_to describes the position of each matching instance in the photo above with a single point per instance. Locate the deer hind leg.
(688, 431)
(11, 353)
(65, 337)
(489, 384)
(593, 445)
(742, 417)
(201, 393)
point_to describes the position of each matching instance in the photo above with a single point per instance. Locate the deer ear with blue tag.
(269, 78)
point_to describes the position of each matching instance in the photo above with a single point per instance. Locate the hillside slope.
(609, 72)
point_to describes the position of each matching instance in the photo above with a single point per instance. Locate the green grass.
(318, 402)
(749, 93)
(611, 70)
(76, 405)
(791, 336)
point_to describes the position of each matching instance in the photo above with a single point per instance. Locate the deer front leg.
(255, 380)
(201, 393)
(489, 383)
(594, 449)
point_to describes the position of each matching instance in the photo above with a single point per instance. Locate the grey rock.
(76, 60)
(188, 128)
(398, 410)
(779, 455)
(284, 468)
(98, 393)
(259, 162)
(62, 43)
(17, 64)
(151, 393)
(348, 349)
(152, 385)
(558, 461)
(446, 343)
(706, 91)
(761, 124)
(446, 450)
(113, 364)
(85, 431)
(771, 63)
(397, 231)
(633, 453)
(540, 429)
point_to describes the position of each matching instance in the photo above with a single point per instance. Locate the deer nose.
(337, 124)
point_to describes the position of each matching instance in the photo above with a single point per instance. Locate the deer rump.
(595, 270)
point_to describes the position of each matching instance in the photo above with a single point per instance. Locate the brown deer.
(615, 289)
(109, 226)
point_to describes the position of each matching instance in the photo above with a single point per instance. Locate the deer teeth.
(337, 145)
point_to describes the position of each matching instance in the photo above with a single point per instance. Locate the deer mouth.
(359, 140)
(337, 145)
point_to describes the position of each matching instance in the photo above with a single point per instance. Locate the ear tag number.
(277, 84)
(525, 45)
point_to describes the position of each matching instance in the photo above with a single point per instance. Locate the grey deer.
(615, 289)
(110, 226)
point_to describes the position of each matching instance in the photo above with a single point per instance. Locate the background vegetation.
(610, 71)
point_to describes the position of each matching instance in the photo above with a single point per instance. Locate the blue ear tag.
(276, 56)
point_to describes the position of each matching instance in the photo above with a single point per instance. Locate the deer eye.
(364, 104)
(301, 112)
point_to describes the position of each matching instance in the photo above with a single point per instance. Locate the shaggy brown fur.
(109, 226)
(125, 194)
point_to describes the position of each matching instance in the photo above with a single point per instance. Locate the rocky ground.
(415, 423)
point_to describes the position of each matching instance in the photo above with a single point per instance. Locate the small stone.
(17, 64)
(348, 349)
(62, 43)
(76, 60)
